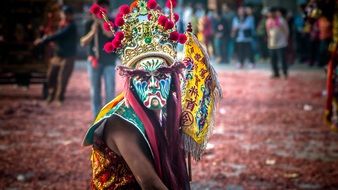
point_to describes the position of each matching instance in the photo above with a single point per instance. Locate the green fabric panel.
(122, 111)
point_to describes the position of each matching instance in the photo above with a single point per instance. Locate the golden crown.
(144, 32)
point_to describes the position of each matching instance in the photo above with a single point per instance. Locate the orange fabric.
(133, 5)
(109, 106)
(325, 31)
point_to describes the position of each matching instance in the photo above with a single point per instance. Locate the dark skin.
(124, 139)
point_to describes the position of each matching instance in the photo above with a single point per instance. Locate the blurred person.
(313, 43)
(205, 32)
(200, 10)
(228, 15)
(242, 28)
(188, 12)
(262, 36)
(139, 140)
(62, 64)
(290, 51)
(194, 22)
(181, 24)
(220, 30)
(300, 36)
(278, 32)
(325, 37)
(100, 64)
(252, 21)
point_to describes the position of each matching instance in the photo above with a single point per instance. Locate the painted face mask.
(153, 86)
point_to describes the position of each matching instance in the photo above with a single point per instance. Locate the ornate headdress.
(147, 32)
(144, 32)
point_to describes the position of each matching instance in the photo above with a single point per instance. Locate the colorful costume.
(184, 92)
(331, 111)
(328, 10)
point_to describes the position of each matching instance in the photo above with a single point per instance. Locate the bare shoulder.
(119, 130)
(124, 139)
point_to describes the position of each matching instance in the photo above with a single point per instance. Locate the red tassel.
(133, 102)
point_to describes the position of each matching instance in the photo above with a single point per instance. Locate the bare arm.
(86, 39)
(126, 141)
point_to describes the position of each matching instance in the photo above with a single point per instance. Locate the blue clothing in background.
(95, 74)
(105, 69)
(245, 29)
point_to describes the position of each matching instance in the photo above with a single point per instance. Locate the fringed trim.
(332, 121)
(190, 146)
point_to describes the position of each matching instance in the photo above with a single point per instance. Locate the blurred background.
(276, 61)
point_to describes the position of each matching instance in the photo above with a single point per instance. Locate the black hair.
(273, 9)
(103, 2)
(283, 11)
(68, 10)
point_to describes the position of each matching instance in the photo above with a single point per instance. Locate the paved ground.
(269, 135)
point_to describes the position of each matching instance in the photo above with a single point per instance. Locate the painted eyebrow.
(125, 71)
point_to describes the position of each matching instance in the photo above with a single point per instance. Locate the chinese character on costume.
(164, 116)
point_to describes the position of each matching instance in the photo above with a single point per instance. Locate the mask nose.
(153, 83)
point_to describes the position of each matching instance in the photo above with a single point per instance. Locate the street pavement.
(269, 134)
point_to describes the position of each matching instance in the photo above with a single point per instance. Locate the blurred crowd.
(250, 32)
(243, 35)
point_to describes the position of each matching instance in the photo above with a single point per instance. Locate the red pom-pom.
(119, 35)
(168, 4)
(176, 17)
(116, 43)
(119, 15)
(102, 11)
(182, 38)
(169, 25)
(174, 36)
(152, 4)
(106, 26)
(119, 21)
(95, 9)
(108, 47)
(162, 20)
(124, 9)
